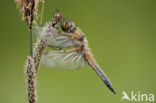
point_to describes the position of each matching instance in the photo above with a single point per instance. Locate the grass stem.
(42, 11)
(31, 42)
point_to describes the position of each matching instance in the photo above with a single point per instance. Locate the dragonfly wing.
(59, 41)
(45, 32)
(63, 60)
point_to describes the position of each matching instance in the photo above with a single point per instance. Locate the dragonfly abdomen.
(99, 71)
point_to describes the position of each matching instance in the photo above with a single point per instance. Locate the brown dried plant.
(31, 80)
(33, 63)
(38, 52)
(28, 9)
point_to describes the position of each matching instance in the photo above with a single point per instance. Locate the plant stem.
(42, 13)
(31, 42)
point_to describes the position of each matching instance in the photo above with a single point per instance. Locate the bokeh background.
(121, 35)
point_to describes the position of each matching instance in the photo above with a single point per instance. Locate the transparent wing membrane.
(63, 60)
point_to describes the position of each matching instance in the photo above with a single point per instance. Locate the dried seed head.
(28, 9)
(31, 80)
(38, 52)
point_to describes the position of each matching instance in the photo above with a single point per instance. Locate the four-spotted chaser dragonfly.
(69, 48)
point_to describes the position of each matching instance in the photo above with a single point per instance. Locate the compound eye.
(65, 26)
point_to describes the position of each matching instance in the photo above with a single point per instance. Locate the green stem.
(42, 13)
(31, 42)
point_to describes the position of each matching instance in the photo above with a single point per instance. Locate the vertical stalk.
(31, 42)
(42, 13)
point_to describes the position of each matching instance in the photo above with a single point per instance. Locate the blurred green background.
(121, 34)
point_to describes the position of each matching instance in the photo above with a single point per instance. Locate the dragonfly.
(69, 49)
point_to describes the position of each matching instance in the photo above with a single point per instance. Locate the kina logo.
(137, 96)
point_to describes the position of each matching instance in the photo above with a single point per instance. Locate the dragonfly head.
(67, 26)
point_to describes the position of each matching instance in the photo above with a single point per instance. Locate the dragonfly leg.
(61, 38)
(66, 34)
(61, 46)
